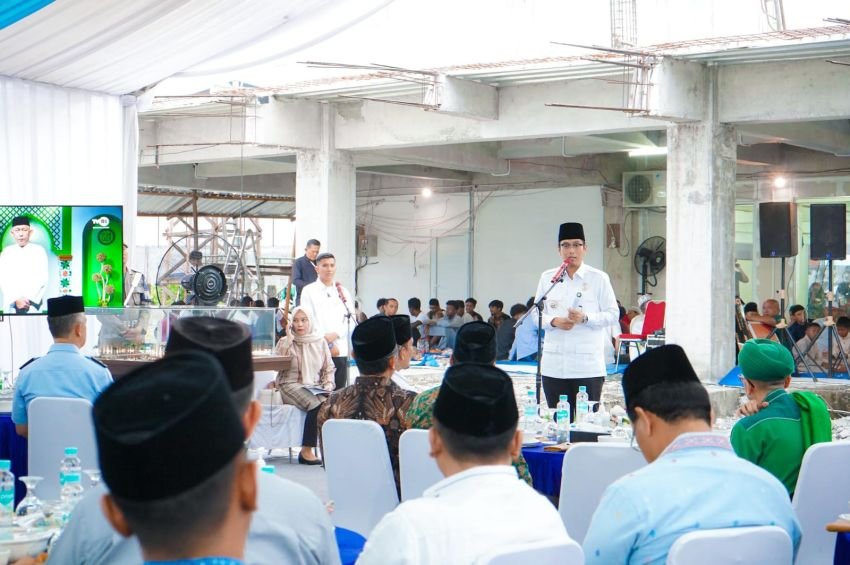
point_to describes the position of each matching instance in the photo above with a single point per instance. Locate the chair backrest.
(539, 553)
(820, 496)
(587, 471)
(54, 424)
(360, 476)
(654, 319)
(761, 545)
(418, 469)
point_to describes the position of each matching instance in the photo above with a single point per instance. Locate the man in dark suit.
(304, 268)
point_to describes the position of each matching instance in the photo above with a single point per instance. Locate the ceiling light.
(427, 192)
(779, 182)
(649, 151)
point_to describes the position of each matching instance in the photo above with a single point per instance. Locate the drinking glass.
(30, 504)
(93, 475)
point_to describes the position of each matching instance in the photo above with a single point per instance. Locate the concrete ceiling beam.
(828, 137)
(463, 98)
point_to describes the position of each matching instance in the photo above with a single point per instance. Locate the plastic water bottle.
(582, 407)
(7, 494)
(268, 469)
(422, 345)
(562, 413)
(70, 466)
(530, 413)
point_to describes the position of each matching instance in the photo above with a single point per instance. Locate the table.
(350, 545)
(14, 448)
(842, 541)
(545, 468)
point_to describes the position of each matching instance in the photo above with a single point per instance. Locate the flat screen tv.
(48, 251)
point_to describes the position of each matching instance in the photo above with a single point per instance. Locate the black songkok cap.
(403, 331)
(570, 230)
(665, 364)
(476, 400)
(373, 339)
(20, 221)
(475, 343)
(166, 427)
(64, 305)
(229, 342)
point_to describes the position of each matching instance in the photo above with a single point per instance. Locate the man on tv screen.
(23, 270)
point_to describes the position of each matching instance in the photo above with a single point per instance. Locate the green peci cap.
(765, 360)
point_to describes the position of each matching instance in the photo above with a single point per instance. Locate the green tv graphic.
(103, 251)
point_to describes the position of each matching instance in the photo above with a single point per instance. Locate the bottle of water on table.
(529, 413)
(582, 407)
(562, 413)
(70, 465)
(7, 494)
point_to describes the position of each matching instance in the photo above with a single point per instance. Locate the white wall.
(515, 240)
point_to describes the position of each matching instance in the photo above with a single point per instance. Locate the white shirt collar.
(505, 471)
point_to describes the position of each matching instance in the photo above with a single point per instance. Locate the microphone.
(558, 275)
(341, 294)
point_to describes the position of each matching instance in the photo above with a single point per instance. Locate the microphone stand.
(538, 381)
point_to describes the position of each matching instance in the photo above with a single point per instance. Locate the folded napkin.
(557, 447)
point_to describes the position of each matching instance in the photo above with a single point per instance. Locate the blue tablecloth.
(545, 468)
(350, 545)
(14, 448)
(842, 548)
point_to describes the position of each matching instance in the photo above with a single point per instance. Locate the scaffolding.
(623, 23)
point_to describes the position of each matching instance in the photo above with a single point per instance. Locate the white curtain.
(61, 146)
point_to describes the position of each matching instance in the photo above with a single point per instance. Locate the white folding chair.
(360, 476)
(588, 470)
(820, 496)
(539, 553)
(759, 545)
(54, 424)
(418, 469)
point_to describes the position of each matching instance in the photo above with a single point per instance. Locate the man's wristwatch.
(584, 320)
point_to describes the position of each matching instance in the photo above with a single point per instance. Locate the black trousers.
(311, 428)
(553, 388)
(341, 375)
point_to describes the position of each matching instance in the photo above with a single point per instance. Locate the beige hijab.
(310, 348)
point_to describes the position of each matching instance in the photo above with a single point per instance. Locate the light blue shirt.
(698, 483)
(199, 561)
(291, 525)
(525, 338)
(64, 372)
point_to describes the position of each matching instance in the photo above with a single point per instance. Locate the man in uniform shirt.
(694, 481)
(480, 505)
(331, 308)
(374, 395)
(304, 268)
(299, 531)
(185, 499)
(23, 270)
(63, 372)
(576, 316)
(778, 435)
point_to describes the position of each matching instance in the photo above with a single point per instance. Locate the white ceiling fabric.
(119, 47)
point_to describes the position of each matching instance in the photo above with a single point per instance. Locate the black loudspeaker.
(778, 229)
(829, 231)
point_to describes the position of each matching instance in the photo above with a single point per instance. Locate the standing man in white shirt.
(576, 316)
(331, 308)
(23, 270)
(481, 505)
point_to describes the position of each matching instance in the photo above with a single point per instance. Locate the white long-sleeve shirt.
(578, 352)
(463, 517)
(329, 313)
(23, 273)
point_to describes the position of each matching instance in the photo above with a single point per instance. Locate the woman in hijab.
(308, 380)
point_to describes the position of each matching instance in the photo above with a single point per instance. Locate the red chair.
(652, 322)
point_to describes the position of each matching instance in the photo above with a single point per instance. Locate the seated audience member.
(406, 351)
(506, 332)
(469, 307)
(380, 305)
(842, 328)
(450, 323)
(299, 531)
(694, 480)
(435, 312)
(374, 396)
(312, 369)
(808, 349)
(770, 315)
(278, 318)
(418, 319)
(64, 371)
(496, 314)
(475, 344)
(147, 426)
(797, 322)
(816, 305)
(776, 437)
(524, 347)
(636, 325)
(387, 307)
(480, 505)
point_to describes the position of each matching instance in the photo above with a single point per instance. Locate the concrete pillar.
(701, 239)
(325, 199)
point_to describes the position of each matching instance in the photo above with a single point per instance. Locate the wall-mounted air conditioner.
(645, 189)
